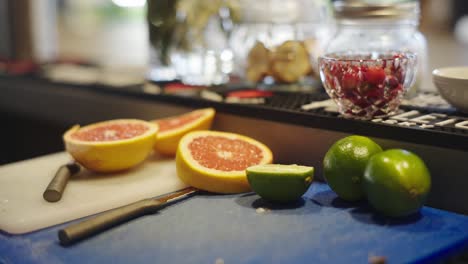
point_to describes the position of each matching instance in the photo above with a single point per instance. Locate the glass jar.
(364, 26)
(371, 61)
(277, 41)
(189, 40)
(365, 85)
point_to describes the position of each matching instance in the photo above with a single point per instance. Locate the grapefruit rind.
(111, 156)
(167, 141)
(196, 175)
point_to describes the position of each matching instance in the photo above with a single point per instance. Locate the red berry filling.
(365, 85)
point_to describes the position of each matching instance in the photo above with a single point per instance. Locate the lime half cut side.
(280, 183)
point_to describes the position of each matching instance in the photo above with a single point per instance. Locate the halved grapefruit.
(216, 161)
(173, 128)
(111, 145)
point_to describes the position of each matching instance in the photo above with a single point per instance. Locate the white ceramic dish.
(452, 84)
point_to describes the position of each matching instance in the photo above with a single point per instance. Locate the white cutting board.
(22, 208)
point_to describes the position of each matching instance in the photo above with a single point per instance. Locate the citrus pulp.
(396, 182)
(216, 161)
(280, 183)
(111, 145)
(344, 164)
(172, 129)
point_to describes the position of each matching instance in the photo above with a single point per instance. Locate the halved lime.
(280, 183)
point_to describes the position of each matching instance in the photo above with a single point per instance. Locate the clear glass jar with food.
(276, 42)
(380, 26)
(373, 57)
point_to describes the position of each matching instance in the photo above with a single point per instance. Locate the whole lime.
(344, 164)
(280, 183)
(396, 182)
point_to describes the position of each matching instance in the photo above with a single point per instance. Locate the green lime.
(344, 164)
(396, 182)
(280, 183)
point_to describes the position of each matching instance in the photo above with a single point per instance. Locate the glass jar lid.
(362, 9)
(284, 11)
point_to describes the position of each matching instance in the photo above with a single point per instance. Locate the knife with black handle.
(106, 220)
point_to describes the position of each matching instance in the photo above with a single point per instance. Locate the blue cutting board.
(245, 229)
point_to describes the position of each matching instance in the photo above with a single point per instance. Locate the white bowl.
(452, 83)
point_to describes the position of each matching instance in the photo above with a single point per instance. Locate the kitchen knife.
(108, 219)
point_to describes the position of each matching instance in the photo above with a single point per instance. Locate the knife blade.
(106, 220)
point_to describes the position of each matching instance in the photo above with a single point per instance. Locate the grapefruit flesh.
(224, 154)
(111, 145)
(172, 129)
(216, 161)
(168, 124)
(110, 132)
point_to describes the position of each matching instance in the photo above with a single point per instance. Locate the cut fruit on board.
(216, 161)
(172, 129)
(112, 145)
(279, 182)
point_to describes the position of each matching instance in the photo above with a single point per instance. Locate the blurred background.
(202, 39)
(104, 31)
(115, 32)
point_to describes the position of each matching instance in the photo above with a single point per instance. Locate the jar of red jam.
(375, 48)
